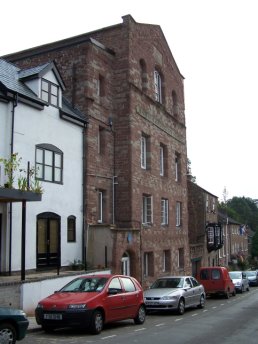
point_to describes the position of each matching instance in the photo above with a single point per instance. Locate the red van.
(216, 280)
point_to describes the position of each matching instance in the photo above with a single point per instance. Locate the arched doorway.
(48, 240)
(125, 264)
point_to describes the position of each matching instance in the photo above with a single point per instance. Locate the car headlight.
(169, 297)
(40, 306)
(77, 306)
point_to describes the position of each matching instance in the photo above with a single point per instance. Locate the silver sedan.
(174, 293)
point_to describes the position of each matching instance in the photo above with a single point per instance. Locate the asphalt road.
(231, 321)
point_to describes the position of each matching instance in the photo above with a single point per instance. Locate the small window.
(49, 92)
(158, 86)
(178, 214)
(146, 209)
(161, 160)
(71, 228)
(215, 274)
(144, 152)
(164, 211)
(148, 264)
(177, 167)
(101, 194)
(49, 163)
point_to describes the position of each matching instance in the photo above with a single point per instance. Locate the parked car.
(216, 281)
(240, 280)
(13, 325)
(91, 301)
(252, 276)
(174, 293)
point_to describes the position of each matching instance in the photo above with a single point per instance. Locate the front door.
(48, 240)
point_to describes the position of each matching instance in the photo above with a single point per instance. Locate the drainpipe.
(15, 102)
(84, 185)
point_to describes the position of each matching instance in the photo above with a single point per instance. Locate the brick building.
(205, 232)
(126, 80)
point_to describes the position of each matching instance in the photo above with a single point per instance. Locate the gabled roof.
(40, 71)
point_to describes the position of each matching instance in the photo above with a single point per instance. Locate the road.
(231, 321)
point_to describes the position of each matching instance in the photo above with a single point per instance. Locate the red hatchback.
(90, 301)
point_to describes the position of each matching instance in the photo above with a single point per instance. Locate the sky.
(214, 43)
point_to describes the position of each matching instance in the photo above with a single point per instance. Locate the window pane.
(53, 100)
(54, 90)
(48, 158)
(48, 173)
(39, 155)
(57, 175)
(45, 96)
(39, 171)
(57, 160)
(44, 86)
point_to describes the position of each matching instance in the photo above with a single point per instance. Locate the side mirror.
(112, 291)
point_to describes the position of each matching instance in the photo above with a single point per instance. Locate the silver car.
(174, 293)
(240, 280)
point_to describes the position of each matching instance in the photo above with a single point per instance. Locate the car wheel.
(7, 333)
(181, 307)
(141, 315)
(202, 302)
(97, 322)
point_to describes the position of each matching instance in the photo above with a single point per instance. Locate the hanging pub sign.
(214, 235)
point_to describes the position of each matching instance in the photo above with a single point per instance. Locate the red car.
(90, 301)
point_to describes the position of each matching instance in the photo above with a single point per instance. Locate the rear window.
(215, 274)
(204, 275)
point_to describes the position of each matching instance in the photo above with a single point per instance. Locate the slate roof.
(9, 81)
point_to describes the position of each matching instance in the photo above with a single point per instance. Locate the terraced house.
(125, 79)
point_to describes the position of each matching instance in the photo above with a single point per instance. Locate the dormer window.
(49, 92)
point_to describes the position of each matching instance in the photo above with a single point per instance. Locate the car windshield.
(235, 274)
(176, 282)
(95, 284)
(250, 273)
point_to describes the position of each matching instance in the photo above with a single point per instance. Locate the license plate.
(53, 316)
(151, 303)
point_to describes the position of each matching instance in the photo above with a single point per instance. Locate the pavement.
(33, 326)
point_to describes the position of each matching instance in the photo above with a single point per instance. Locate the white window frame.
(178, 214)
(161, 160)
(144, 152)
(164, 211)
(147, 210)
(157, 86)
(100, 206)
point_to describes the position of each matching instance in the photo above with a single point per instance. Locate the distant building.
(205, 232)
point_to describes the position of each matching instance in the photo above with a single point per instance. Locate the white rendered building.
(39, 125)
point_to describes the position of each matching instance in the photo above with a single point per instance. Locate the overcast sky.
(214, 43)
